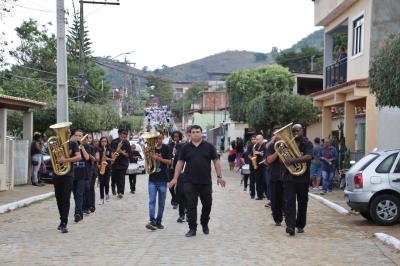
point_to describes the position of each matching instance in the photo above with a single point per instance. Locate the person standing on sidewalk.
(121, 146)
(316, 165)
(63, 184)
(297, 186)
(158, 183)
(198, 154)
(328, 157)
(36, 155)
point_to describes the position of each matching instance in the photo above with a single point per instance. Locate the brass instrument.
(116, 153)
(150, 147)
(80, 142)
(254, 158)
(58, 147)
(103, 163)
(286, 148)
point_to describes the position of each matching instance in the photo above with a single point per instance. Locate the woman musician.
(103, 157)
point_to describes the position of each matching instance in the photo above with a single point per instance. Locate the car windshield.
(364, 162)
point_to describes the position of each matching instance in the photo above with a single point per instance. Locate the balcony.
(336, 73)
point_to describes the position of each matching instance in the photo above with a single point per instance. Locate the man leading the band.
(297, 186)
(197, 154)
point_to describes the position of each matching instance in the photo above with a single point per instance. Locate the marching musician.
(252, 170)
(121, 149)
(158, 183)
(89, 196)
(63, 184)
(174, 146)
(297, 186)
(258, 151)
(103, 154)
(134, 156)
(81, 175)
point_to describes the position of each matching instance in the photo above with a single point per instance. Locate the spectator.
(328, 157)
(232, 155)
(315, 168)
(36, 155)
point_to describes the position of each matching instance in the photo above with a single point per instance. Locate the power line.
(36, 9)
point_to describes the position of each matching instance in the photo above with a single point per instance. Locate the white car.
(139, 167)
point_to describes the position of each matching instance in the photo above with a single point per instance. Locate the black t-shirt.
(82, 167)
(306, 148)
(198, 162)
(133, 156)
(34, 149)
(161, 173)
(100, 150)
(277, 169)
(177, 147)
(73, 148)
(121, 163)
(260, 158)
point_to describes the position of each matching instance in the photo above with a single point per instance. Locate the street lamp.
(126, 53)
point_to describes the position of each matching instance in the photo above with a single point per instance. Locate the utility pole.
(82, 77)
(62, 85)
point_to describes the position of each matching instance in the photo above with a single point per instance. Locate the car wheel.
(366, 215)
(385, 209)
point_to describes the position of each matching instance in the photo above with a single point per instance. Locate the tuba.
(287, 148)
(58, 147)
(149, 149)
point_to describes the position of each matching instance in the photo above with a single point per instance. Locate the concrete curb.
(25, 202)
(330, 204)
(390, 240)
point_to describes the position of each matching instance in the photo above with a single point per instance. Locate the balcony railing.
(336, 74)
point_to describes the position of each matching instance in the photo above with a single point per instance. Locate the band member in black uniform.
(249, 155)
(297, 186)
(89, 196)
(121, 147)
(63, 185)
(81, 175)
(258, 151)
(103, 155)
(134, 156)
(277, 170)
(197, 154)
(173, 147)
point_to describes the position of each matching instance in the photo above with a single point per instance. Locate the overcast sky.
(173, 32)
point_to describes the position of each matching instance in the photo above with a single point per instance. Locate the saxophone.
(116, 154)
(254, 158)
(104, 163)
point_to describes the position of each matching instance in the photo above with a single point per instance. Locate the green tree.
(262, 97)
(384, 73)
(300, 62)
(161, 89)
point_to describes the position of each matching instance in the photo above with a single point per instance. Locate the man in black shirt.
(297, 186)
(121, 146)
(81, 175)
(63, 184)
(158, 183)
(249, 155)
(198, 154)
(276, 170)
(258, 151)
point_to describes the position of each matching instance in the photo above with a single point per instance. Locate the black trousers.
(105, 182)
(62, 191)
(118, 176)
(172, 191)
(293, 190)
(252, 183)
(192, 193)
(180, 197)
(90, 195)
(132, 182)
(245, 180)
(260, 184)
(277, 200)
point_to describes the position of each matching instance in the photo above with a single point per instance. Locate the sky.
(173, 32)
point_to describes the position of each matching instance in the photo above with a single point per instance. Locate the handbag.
(245, 170)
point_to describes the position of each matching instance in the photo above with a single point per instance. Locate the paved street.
(241, 233)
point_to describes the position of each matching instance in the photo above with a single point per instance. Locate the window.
(358, 25)
(397, 169)
(385, 166)
(364, 162)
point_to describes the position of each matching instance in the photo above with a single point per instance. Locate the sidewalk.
(23, 192)
(355, 219)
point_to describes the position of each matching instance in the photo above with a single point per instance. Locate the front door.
(394, 176)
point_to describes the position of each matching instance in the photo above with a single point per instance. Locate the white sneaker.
(107, 198)
(101, 202)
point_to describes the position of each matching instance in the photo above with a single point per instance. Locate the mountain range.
(198, 70)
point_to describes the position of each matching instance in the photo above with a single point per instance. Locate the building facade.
(366, 24)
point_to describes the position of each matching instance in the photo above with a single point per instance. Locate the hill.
(224, 62)
(315, 39)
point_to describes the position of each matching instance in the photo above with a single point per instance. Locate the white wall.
(21, 162)
(388, 128)
(236, 130)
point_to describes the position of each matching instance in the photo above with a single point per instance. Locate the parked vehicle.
(46, 174)
(373, 187)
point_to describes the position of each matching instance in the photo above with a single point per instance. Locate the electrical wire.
(35, 9)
